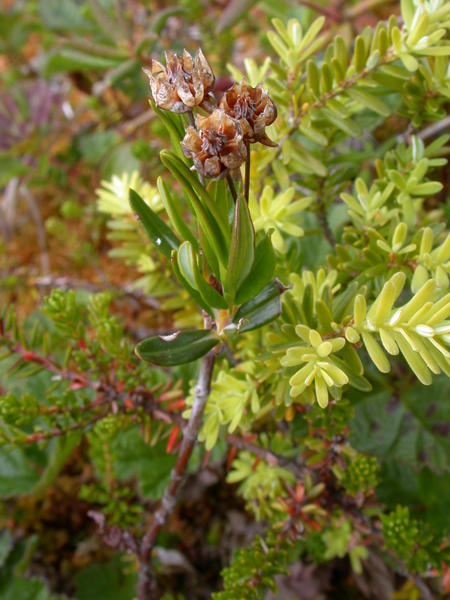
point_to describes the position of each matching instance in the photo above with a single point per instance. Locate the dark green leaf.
(206, 221)
(158, 232)
(242, 249)
(174, 211)
(194, 293)
(174, 128)
(261, 273)
(177, 348)
(107, 581)
(262, 309)
(426, 493)
(202, 194)
(411, 429)
(187, 261)
(68, 59)
(149, 465)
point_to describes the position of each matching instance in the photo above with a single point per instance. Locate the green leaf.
(359, 55)
(193, 291)
(408, 10)
(16, 587)
(69, 60)
(120, 160)
(186, 259)
(10, 167)
(175, 214)
(346, 125)
(63, 15)
(242, 249)
(426, 189)
(427, 494)
(94, 146)
(177, 348)
(207, 222)
(187, 262)
(410, 428)
(262, 309)
(63, 448)
(262, 271)
(20, 469)
(158, 232)
(174, 128)
(109, 581)
(204, 197)
(6, 544)
(369, 101)
(134, 459)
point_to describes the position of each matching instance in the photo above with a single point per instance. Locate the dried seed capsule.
(253, 108)
(216, 145)
(183, 83)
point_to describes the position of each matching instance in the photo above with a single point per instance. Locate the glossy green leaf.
(262, 271)
(174, 128)
(203, 195)
(158, 232)
(262, 309)
(206, 221)
(192, 291)
(177, 348)
(175, 213)
(187, 262)
(242, 250)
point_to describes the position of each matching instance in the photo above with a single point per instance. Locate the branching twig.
(267, 455)
(177, 476)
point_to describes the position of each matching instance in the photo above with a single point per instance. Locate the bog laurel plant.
(298, 235)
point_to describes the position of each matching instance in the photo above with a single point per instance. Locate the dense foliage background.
(335, 489)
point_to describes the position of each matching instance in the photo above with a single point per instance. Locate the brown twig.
(270, 457)
(168, 502)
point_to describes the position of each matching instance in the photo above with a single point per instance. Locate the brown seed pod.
(216, 145)
(183, 83)
(253, 108)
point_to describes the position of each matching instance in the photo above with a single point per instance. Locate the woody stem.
(247, 174)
